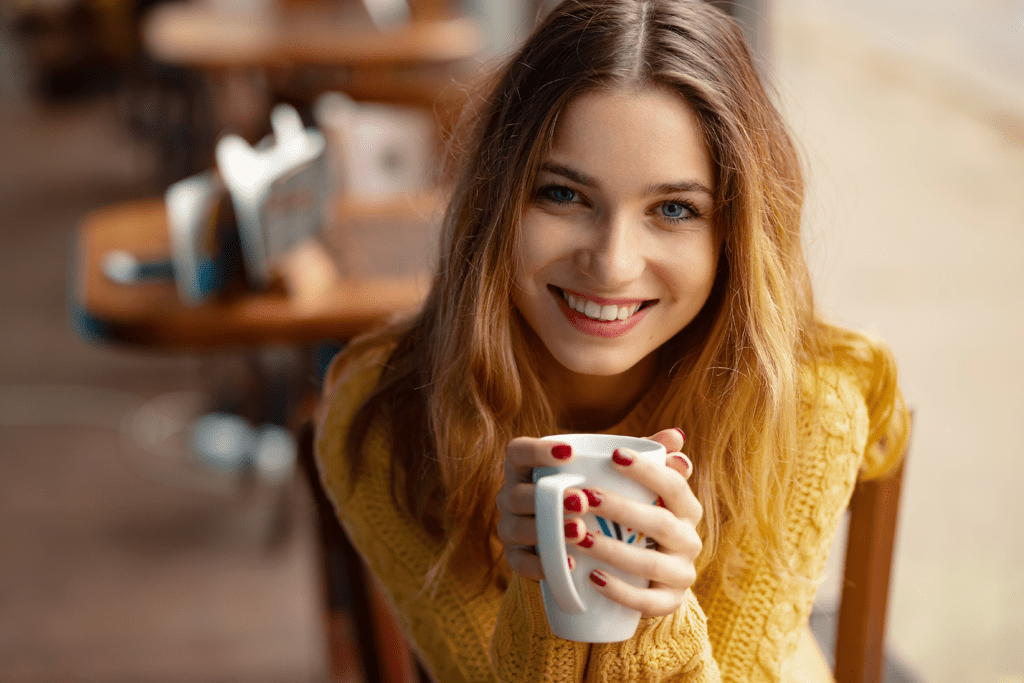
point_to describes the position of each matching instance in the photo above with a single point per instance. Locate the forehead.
(648, 132)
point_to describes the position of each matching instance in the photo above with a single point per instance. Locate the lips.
(599, 316)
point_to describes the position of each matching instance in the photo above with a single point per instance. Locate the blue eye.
(558, 194)
(675, 210)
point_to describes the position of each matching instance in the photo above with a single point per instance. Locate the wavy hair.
(462, 377)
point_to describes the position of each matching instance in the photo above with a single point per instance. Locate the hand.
(674, 526)
(517, 527)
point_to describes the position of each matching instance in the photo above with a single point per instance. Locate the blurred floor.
(914, 232)
(110, 571)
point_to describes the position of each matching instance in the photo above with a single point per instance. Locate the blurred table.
(312, 48)
(198, 35)
(381, 250)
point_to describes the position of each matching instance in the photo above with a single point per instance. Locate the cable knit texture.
(464, 635)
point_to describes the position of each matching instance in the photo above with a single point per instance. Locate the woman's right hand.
(516, 526)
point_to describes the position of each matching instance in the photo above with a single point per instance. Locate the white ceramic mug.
(575, 610)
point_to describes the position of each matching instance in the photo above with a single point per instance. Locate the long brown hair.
(462, 378)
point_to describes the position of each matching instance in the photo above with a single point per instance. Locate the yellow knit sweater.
(463, 635)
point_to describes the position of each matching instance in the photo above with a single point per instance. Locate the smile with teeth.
(596, 311)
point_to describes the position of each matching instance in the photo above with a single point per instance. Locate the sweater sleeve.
(523, 647)
(750, 632)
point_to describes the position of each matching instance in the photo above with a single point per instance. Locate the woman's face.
(617, 252)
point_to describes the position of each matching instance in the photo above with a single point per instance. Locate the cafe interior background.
(153, 519)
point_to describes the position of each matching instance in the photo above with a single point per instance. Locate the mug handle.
(554, 558)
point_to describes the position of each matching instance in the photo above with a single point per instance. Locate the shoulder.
(353, 368)
(350, 379)
(851, 394)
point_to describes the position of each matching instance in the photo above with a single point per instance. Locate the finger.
(524, 453)
(665, 568)
(518, 499)
(672, 439)
(657, 601)
(517, 530)
(666, 482)
(620, 518)
(576, 532)
(524, 562)
(575, 502)
(681, 464)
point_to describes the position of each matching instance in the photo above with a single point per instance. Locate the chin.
(595, 365)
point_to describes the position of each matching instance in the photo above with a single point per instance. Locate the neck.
(584, 403)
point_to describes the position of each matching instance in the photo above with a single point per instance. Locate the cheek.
(539, 247)
(692, 271)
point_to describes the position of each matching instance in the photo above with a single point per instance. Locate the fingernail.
(572, 565)
(562, 451)
(593, 497)
(683, 461)
(587, 541)
(598, 578)
(660, 502)
(571, 529)
(574, 503)
(621, 458)
(681, 433)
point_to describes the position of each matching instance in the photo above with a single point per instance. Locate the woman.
(621, 253)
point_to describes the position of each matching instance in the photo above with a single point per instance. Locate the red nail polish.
(587, 541)
(681, 459)
(681, 433)
(574, 503)
(660, 502)
(593, 497)
(572, 565)
(571, 530)
(598, 578)
(562, 451)
(621, 458)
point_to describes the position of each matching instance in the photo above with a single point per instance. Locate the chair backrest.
(860, 635)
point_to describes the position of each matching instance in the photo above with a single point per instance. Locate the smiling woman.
(621, 254)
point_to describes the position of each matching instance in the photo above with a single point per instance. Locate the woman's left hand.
(673, 525)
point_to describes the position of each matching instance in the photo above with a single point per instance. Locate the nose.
(611, 256)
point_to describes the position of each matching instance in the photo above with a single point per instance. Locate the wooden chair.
(364, 637)
(860, 639)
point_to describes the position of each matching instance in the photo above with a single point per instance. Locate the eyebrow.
(570, 173)
(651, 190)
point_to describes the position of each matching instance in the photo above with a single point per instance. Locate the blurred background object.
(124, 564)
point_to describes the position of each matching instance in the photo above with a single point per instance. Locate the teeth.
(599, 312)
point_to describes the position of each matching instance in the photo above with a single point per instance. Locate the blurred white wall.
(505, 22)
(983, 38)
